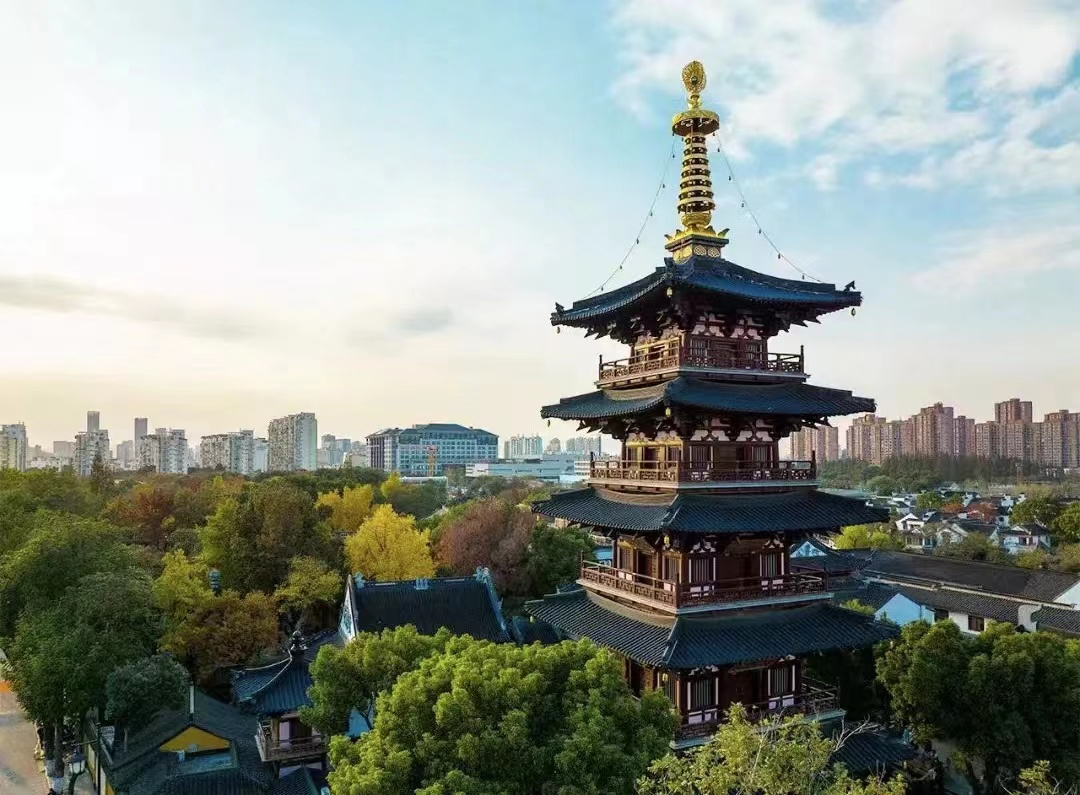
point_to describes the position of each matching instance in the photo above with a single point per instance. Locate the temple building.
(700, 600)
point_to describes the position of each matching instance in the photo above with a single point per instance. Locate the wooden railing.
(684, 594)
(813, 698)
(271, 750)
(672, 355)
(703, 472)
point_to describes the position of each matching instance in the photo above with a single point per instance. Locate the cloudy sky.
(214, 213)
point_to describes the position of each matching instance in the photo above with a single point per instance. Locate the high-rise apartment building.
(126, 455)
(1019, 440)
(523, 447)
(584, 445)
(93, 421)
(1013, 410)
(554, 447)
(822, 444)
(964, 436)
(164, 451)
(429, 449)
(1060, 439)
(233, 452)
(90, 445)
(861, 436)
(142, 427)
(63, 449)
(294, 443)
(934, 430)
(260, 459)
(13, 446)
(988, 440)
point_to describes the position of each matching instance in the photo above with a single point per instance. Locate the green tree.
(882, 485)
(868, 536)
(47, 489)
(419, 500)
(224, 631)
(788, 756)
(182, 588)
(101, 479)
(1043, 509)
(929, 501)
(1005, 699)
(485, 718)
(554, 557)
(148, 510)
(61, 550)
(389, 547)
(252, 538)
(62, 655)
(974, 546)
(310, 592)
(1067, 524)
(136, 692)
(348, 678)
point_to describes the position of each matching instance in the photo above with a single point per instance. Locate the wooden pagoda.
(700, 600)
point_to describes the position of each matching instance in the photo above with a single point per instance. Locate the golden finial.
(695, 182)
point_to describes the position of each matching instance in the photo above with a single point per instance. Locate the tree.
(148, 510)
(554, 557)
(136, 692)
(1034, 559)
(310, 591)
(788, 756)
(418, 500)
(481, 717)
(182, 588)
(389, 547)
(491, 533)
(252, 538)
(348, 509)
(60, 551)
(1067, 524)
(348, 678)
(1004, 698)
(929, 501)
(1042, 509)
(47, 489)
(868, 536)
(224, 631)
(62, 656)
(974, 546)
(101, 480)
(882, 485)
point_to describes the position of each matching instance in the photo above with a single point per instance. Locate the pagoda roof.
(796, 399)
(686, 642)
(712, 278)
(807, 510)
(281, 686)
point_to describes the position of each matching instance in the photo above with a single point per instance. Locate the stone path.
(19, 773)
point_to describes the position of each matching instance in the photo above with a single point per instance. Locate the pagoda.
(700, 600)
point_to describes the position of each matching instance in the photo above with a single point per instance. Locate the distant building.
(554, 447)
(583, 445)
(93, 421)
(142, 427)
(13, 447)
(422, 448)
(821, 443)
(233, 452)
(63, 449)
(552, 469)
(88, 446)
(126, 455)
(964, 436)
(1013, 410)
(164, 451)
(293, 443)
(332, 451)
(260, 460)
(523, 447)
(988, 440)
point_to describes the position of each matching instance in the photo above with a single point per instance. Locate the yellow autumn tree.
(389, 547)
(349, 509)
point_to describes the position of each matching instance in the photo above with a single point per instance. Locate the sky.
(213, 214)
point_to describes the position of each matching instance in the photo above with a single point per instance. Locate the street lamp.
(76, 765)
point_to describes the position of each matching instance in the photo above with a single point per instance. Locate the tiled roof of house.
(1059, 619)
(299, 782)
(464, 605)
(686, 642)
(799, 509)
(871, 594)
(792, 399)
(974, 604)
(873, 752)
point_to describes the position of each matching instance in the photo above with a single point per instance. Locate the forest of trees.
(920, 473)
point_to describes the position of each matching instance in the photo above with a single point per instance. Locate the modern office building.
(164, 451)
(429, 449)
(93, 421)
(294, 443)
(63, 449)
(13, 448)
(142, 427)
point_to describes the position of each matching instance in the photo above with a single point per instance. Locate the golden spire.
(695, 183)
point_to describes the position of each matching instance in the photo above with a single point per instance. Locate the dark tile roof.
(800, 509)
(795, 399)
(464, 605)
(685, 642)
(828, 561)
(1059, 619)
(713, 276)
(285, 692)
(870, 594)
(299, 782)
(873, 752)
(974, 604)
(528, 630)
(990, 577)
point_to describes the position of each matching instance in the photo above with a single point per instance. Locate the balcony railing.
(683, 594)
(703, 472)
(814, 698)
(272, 750)
(673, 356)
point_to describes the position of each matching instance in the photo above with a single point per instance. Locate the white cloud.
(1003, 256)
(940, 80)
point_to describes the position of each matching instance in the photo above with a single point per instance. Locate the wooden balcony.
(673, 473)
(672, 356)
(668, 595)
(277, 750)
(813, 700)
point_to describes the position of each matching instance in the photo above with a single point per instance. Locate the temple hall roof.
(785, 399)
(799, 509)
(714, 278)
(685, 642)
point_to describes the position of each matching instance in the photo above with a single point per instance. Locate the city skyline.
(232, 217)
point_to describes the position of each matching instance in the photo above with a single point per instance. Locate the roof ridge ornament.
(695, 203)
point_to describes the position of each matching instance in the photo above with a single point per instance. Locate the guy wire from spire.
(645, 221)
(745, 205)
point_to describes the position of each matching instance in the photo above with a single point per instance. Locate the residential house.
(1022, 537)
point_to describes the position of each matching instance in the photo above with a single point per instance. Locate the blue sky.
(213, 214)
